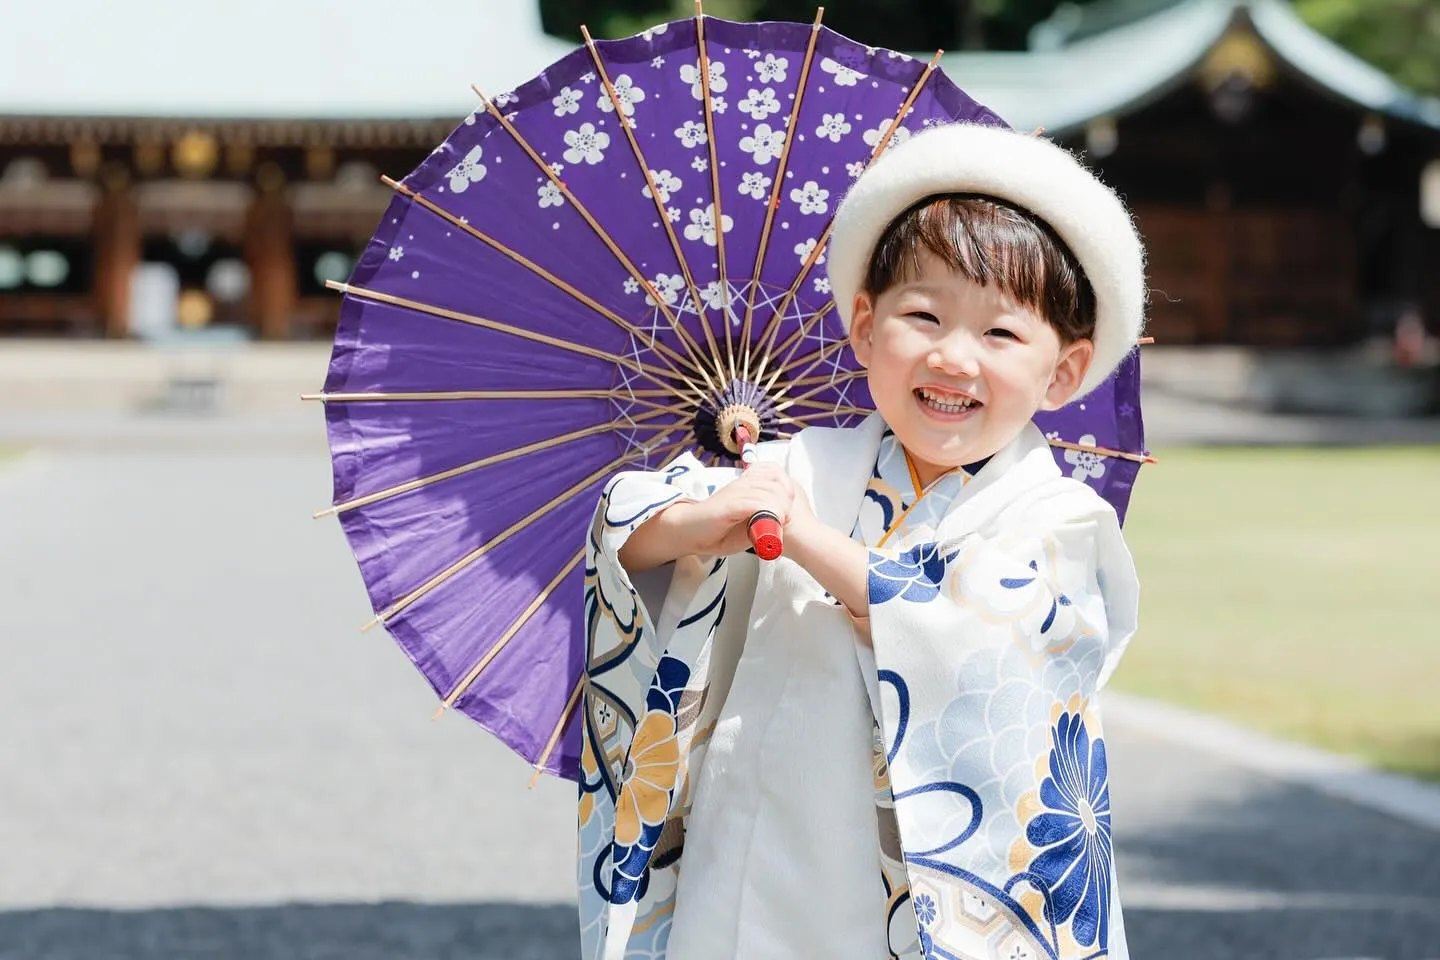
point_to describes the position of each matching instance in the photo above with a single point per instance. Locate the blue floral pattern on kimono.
(976, 633)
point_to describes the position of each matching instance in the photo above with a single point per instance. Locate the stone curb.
(1333, 774)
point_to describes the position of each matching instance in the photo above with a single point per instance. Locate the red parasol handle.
(766, 535)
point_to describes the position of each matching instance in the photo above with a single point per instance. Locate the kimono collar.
(1020, 466)
(833, 466)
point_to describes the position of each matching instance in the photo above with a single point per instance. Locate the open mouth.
(946, 402)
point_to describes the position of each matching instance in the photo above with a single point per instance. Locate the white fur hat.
(1030, 172)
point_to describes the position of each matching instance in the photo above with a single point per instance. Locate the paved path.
(202, 757)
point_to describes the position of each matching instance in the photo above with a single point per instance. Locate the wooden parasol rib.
(459, 565)
(716, 212)
(656, 374)
(638, 397)
(1102, 451)
(691, 347)
(792, 343)
(816, 358)
(559, 727)
(474, 672)
(828, 414)
(822, 378)
(774, 204)
(663, 213)
(428, 395)
(555, 281)
(547, 444)
(772, 328)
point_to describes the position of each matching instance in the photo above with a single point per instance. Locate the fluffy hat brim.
(1027, 171)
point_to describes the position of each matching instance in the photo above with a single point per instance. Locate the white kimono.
(945, 797)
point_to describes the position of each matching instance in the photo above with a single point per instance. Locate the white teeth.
(945, 406)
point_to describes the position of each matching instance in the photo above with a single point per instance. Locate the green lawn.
(1296, 591)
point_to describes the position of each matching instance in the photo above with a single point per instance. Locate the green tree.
(1401, 37)
(899, 24)
(623, 18)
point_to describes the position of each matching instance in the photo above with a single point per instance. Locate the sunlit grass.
(1296, 591)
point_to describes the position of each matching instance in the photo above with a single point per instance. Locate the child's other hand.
(800, 510)
(802, 518)
(720, 525)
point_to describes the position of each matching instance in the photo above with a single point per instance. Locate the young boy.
(886, 743)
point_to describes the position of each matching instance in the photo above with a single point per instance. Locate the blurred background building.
(186, 167)
(1289, 190)
(1277, 179)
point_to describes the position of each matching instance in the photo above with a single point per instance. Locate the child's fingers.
(762, 487)
(748, 507)
(761, 474)
(757, 482)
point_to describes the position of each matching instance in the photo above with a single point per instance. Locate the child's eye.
(1002, 332)
(922, 315)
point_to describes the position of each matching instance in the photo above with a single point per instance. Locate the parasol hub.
(732, 417)
(739, 404)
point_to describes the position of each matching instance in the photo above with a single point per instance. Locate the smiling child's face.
(957, 369)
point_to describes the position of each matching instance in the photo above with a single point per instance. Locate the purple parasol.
(579, 281)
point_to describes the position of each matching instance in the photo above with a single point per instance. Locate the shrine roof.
(1110, 58)
(364, 62)
(271, 59)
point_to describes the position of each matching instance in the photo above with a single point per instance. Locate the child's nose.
(956, 355)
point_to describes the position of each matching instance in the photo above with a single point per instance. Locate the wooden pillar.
(116, 231)
(1220, 228)
(270, 254)
(1428, 244)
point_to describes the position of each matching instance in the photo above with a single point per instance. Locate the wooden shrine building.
(232, 222)
(203, 165)
(1289, 193)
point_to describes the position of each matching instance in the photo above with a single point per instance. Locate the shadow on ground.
(1215, 863)
(1262, 870)
(379, 931)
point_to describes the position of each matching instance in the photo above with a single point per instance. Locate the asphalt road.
(201, 756)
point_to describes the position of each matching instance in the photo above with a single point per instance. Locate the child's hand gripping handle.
(765, 530)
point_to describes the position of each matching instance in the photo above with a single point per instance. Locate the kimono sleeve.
(649, 654)
(990, 651)
(629, 500)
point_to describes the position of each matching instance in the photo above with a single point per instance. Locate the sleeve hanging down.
(654, 646)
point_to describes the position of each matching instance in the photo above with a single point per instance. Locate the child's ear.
(1070, 370)
(862, 327)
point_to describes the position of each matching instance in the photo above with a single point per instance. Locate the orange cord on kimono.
(862, 624)
(919, 495)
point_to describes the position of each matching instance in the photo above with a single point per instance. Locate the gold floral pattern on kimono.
(651, 771)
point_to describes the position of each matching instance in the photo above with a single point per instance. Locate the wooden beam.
(117, 254)
(270, 253)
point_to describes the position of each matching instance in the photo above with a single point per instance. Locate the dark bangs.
(992, 243)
